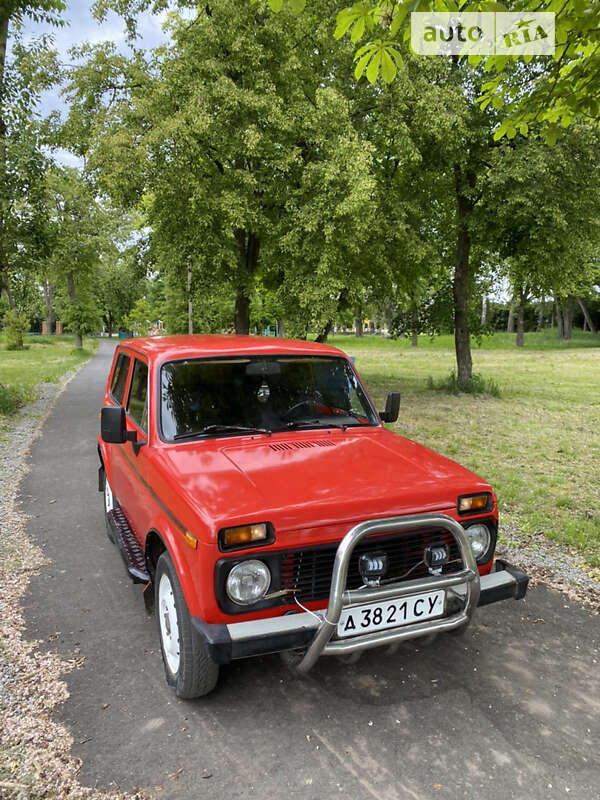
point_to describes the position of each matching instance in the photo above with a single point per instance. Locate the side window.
(117, 387)
(137, 406)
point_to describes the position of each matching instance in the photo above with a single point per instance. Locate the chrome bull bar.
(340, 597)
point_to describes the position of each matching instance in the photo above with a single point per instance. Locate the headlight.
(479, 538)
(248, 582)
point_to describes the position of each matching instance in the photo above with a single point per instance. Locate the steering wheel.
(309, 403)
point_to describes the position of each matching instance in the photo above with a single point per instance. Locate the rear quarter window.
(119, 379)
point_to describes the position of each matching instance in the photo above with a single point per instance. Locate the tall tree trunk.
(414, 325)
(358, 323)
(521, 317)
(484, 309)
(510, 325)
(462, 275)
(462, 334)
(242, 313)
(280, 328)
(48, 290)
(73, 299)
(568, 319)
(586, 315)
(322, 337)
(559, 320)
(248, 245)
(388, 310)
(540, 319)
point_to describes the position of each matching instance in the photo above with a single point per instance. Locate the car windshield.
(225, 397)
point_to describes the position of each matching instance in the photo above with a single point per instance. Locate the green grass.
(44, 360)
(538, 442)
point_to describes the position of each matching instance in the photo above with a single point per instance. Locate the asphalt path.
(511, 710)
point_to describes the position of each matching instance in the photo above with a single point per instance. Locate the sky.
(82, 27)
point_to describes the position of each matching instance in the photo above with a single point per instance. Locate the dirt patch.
(552, 565)
(35, 751)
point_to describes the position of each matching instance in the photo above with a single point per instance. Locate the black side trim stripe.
(150, 491)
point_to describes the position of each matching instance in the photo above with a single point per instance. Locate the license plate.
(391, 613)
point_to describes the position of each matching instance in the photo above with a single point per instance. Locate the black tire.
(192, 673)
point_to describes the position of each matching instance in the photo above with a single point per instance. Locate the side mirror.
(392, 408)
(112, 425)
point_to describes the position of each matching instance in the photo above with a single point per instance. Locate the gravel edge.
(551, 564)
(35, 750)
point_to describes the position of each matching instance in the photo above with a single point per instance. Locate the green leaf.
(363, 49)
(297, 6)
(344, 20)
(399, 18)
(373, 68)
(360, 67)
(276, 5)
(500, 131)
(551, 134)
(388, 68)
(358, 31)
(395, 54)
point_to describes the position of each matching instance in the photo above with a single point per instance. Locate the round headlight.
(248, 582)
(479, 539)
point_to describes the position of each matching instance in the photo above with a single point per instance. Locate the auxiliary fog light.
(248, 582)
(479, 539)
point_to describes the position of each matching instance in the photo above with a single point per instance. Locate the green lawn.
(45, 359)
(538, 443)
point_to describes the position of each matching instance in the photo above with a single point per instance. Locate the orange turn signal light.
(234, 537)
(191, 540)
(245, 536)
(470, 504)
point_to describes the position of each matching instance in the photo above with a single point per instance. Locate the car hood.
(313, 478)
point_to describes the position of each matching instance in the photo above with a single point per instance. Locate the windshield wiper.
(220, 429)
(312, 423)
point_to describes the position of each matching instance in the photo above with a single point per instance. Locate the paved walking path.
(512, 710)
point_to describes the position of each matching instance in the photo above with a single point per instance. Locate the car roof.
(165, 348)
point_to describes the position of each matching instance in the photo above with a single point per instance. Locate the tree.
(543, 204)
(556, 93)
(241, 151)
(23, 77)
(80, 225)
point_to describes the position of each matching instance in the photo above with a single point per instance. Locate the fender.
(185, 559)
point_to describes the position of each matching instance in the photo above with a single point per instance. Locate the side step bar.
(132, 553)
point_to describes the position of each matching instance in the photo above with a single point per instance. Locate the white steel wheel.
(169, 626)
(189, 669)
(109, 504)
(108, 496)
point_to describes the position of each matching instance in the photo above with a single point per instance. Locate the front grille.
(309, 570)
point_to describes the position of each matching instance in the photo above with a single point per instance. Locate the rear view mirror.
(392, 408)
(112, 425)
(263, 367)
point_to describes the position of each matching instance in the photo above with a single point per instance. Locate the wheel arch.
(160, 540)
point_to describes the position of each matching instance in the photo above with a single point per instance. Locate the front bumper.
(316, 631)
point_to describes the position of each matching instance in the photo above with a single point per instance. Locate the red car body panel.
(312, 486)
